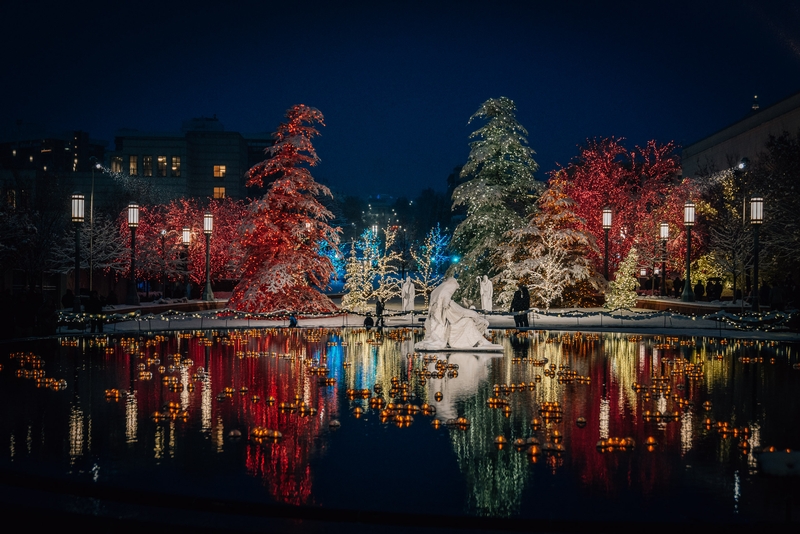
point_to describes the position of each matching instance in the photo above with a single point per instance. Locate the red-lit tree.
(160, 255)
(642, 189)
(283, 267)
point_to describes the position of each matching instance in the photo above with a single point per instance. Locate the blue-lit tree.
(431, 258)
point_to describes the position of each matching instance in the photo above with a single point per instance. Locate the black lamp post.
(133, 223)
(78, 203)
(164, 264)
(664, 236)
(606, 228)
(688, 222)
(208, 227)
(187, 238)
(756, 219)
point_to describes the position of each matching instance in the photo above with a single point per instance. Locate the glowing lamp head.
(133, 215)
(664, 231)
(643, 272)
(187, 235)
(756, 210)
(688, 214)
(606, 218)
(78, 204)
(208, 223)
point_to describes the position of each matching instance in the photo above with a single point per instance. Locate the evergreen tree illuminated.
(499, 193)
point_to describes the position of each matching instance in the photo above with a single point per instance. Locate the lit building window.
(116, 164)
(219, 192)
(162, 165)
(133, 165)
(176, 165)
(147, 165)
(219, 171)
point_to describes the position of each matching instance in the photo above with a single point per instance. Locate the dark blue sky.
(397, 81)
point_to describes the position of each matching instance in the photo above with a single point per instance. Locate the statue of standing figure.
(450, 326)
(487, 292)
(407, 293)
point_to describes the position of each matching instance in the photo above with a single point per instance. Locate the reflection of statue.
(407, 293)
(473, 371)
(486, 293)
(451, 326)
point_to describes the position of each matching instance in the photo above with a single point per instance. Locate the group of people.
(710, 291)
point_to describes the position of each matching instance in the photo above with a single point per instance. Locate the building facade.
(202, 160)
(745, 138)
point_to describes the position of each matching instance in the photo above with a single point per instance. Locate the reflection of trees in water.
(372, 359)
(496, 477)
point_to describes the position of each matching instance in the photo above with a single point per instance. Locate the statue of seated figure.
(450, 326)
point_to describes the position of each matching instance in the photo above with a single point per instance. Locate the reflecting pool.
(559, 427)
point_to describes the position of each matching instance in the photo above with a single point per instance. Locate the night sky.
(398, 81)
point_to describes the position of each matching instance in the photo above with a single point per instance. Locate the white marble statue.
(407, 293)
(487, 292)
(450, 326)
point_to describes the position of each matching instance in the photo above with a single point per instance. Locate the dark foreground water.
(613, 429)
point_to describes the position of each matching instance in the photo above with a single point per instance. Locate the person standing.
(95, 310)
(379, 306)
(520, 304)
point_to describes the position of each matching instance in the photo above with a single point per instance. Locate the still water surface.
(196, 413)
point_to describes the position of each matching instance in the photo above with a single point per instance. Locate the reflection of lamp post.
(664, 236)
(164, 264)
(77, 218)
(688, 222)
(606, 228)
(133, 223)
(187, 238)
(208, 227)
(756, 219)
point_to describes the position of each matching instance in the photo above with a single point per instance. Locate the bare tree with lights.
(429, 257)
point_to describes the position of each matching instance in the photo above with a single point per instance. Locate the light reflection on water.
(188, 403)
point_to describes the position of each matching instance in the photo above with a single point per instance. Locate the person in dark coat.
(68, 300)
(95, 308)
(677, 287)
(520, 304)
(699, 290)
(379, 306)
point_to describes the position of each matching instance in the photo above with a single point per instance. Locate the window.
(147, 165)
(133, 165)
(219, 171)
(116, 164)
(219, 192)
(176, 165)
(162, 165)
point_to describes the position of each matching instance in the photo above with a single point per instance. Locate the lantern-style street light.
(133, 224)
(78, 203)
(756, 219)
(664, 234)
(164, 264)
(186, 239)
(606, 228)
(688, 222)
(208, 227)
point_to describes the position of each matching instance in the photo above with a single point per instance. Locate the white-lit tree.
(622, 290)
(498, 193)
(549, 254)
(371, 272)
